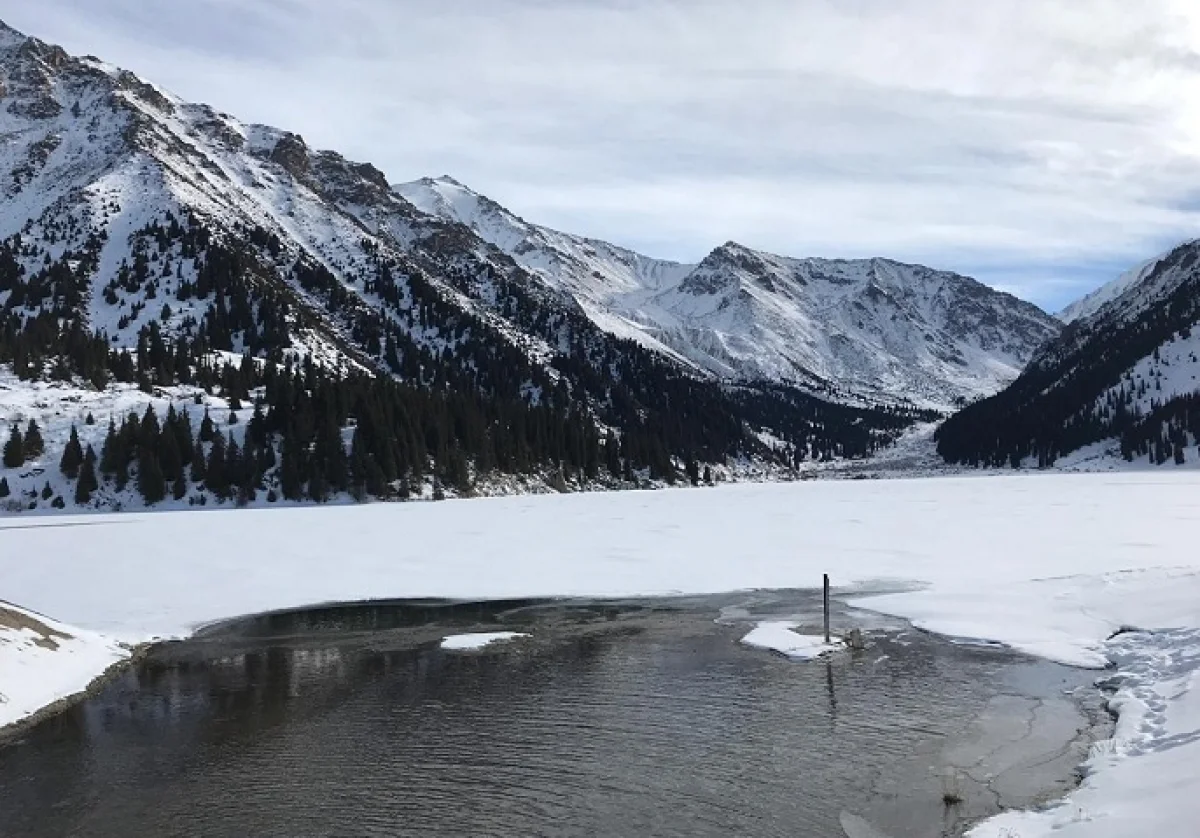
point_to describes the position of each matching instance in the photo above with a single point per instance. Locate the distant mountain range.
(163, 245)
(865, 330)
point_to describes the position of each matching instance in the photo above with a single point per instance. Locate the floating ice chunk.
(778, 636)
(476, 641)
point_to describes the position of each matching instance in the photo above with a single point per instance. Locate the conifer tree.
(179, 486)
(318, 489)
(72, 457)
(291, 480)
(169, 458)
(217, 481)
(4, 490)
(14, 449)
(199, 465)
(206, 427)
(150, 477)
(256, 431)
(234, 471)
(35, 446)
(87, 482)
(148, 429)
(110, 453)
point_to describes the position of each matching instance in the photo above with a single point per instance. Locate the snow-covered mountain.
(155, 252)
(1122, 381)
(1093, 302)
(873, 330)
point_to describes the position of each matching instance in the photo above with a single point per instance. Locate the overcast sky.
(1040, 145)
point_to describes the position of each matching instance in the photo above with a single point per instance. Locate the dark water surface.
(614, 719)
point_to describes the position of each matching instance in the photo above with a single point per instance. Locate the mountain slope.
(1093, 302)
(870, 330)
(1125, 377)
(160, 253)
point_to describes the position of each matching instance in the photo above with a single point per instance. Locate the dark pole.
(826, 607)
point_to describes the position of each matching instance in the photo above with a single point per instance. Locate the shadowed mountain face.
(1121, 381)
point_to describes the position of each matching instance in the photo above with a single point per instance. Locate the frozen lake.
(1050, 565)
(610, 719)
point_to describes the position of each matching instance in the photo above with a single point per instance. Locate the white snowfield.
(1049, 564)
(478, 640)
(779, 636)
(42, 661)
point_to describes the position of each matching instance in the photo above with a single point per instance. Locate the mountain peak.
(733, 254)
(742, 314)
(7, 32)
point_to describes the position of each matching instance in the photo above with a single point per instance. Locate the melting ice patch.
(778, 636)
(476, 641)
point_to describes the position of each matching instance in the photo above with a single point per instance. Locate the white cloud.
(1054, 135)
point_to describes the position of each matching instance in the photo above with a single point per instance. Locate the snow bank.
(42, 661)
(1143, 781)
(475, 642)
(777, 636)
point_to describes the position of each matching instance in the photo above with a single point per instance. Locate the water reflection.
(613, 720)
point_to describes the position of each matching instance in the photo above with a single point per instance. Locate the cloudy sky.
(1040, 145)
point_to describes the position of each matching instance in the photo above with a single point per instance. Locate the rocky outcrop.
(147, 93)
(37, 107)
(291, 153)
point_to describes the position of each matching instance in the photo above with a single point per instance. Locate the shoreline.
(16, 729)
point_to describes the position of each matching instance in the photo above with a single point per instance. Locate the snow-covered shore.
(1049, 564)
(43, 661)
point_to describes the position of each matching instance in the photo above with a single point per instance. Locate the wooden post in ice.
(826, 599)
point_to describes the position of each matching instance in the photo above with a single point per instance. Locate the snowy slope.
(870, 329)
(93, 150)
(134, 219)
(144, 198)
(1093, 302)
(95, 154)
(873, 327)
(610, 283)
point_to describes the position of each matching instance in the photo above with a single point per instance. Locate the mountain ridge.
(160, 252)
(1121, 383)
(745, 314)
